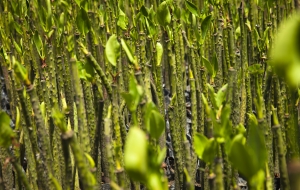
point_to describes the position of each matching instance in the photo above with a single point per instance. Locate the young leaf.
(159, 53)
(6, 132)
(191, 7)
(112, 50)
(136, 154)
(200, 142)
(163, 14)
(208, 66)
(123, 20)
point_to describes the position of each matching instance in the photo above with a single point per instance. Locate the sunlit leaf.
(112, 50)
(200, 142)
(123, 20)
(159, 53)
(136, 154)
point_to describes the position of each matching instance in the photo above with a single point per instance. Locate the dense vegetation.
(96, 88)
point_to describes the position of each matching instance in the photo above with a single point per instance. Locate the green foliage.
(136, 156)
(86, 71)
(285, 56)
(250, 158)
(159, 53)
(154, 121)
(123, 20)
(6, 132)
(112, 50)
(200, 143)
(205, 26)
(191, 7)
(163, 14)
(128, 52)
(133, 97)
(82, 21)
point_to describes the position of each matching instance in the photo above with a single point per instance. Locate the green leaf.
(90, 160)
(212, 96)
(83, 23)
(18, 28)
(128, 52)
(159, 53)
(157, 124)
(163, 14)
(256, 142)
(17, 47)
(38, 43)
(136, 154)
(6, 132)
(225, 122)
(208, 66)
(200, 141)
(205, 26)
(123, 20)
(191, 7)
(210, 151)
(242, 159)
(221, 95)
(62, 20)
(112, 50)
(154, 121)
(144, 11)
(133, 97)
(285, 54)
(151, 28)
(21, 72)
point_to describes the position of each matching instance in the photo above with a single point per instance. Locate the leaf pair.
(113, 50)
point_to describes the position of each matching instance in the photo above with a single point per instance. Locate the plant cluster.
(86, 79)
